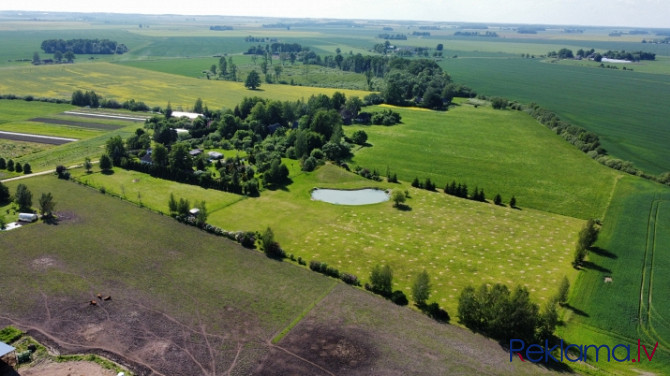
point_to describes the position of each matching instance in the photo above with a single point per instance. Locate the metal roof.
(5, 349)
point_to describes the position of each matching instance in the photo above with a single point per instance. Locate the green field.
(213, 303)
(626, 109)
(505, 152)
(631, 250)
(122, 83)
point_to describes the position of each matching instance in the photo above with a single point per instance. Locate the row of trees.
(12, 166)
(587, 237)
(93, 100)
(502, 314)
(84, 46)
(23, 198)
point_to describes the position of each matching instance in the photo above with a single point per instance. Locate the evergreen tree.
(27, 169)
(10, 165)
(416, 183)
(105, 162)
(23, 198)
(3, 164)
(18, 168)
(497, 200)
(172, 204)
(512, 202)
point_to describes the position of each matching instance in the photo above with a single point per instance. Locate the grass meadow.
(119, 82)
(630, 250)
(505, 152)
(215, 294)
(626, 109)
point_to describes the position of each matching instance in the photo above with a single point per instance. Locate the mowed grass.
(628, 110)
(151, 192)
(459, 242)
(632, 251)
(502, 152)
(154, 88)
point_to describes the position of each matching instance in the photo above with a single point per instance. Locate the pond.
(350, 197)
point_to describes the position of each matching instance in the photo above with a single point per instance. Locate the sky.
(631, 13)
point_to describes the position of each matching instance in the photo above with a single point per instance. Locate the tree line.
(84, 46)
(17, 167)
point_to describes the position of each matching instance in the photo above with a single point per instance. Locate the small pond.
(350, 197)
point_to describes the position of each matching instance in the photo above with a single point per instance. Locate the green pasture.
(44, 129)
(15, 149)
(122, 83)
(627, 110)
(502, 152)
(151, 192)
(632, 251)
(459, 242)
(17, 110)
(660, 66)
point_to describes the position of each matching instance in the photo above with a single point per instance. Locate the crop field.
(183, 302)
(631, 252)
(14, 149)
(481, 147)
(626, 109)
(153, 88)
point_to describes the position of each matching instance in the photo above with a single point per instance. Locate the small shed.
(195, 152)
(27, 217)
(7, 355)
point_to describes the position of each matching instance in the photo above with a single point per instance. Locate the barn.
(7, 358)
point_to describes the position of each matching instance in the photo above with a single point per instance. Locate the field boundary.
(302, 315)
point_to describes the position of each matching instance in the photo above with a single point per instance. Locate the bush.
(350, 279)
(433, 310)
(398, 297)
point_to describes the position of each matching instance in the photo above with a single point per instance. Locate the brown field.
(34, 138)
(107, 127)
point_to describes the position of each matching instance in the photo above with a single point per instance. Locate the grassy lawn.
(626, 109)
(631, 252)
(503, 152)
(152, 192)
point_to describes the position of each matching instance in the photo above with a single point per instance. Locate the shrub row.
(323, 268)
(12, 166)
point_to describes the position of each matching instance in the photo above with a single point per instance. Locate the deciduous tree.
(47, 204)
(421, 288)
(253, 80)
(23, 198)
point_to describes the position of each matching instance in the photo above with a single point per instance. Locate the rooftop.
(5, 349)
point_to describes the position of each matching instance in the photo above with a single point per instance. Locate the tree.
(18, 168)
(69, 56)
(421, 288)
(183, 207)
(563, 290)
(398, 197)
(179, 157)
(212, 69)
(58, 56)
(47, 204)
(10, 165)
(512, 202)
(36, 59)
(359, 137)
(172, 204)
(159, 155)
(3, 164)
(253, 80)
(62, 172)
(223, 66)
(23, 198)
(270, 246)
(201, 218)
(105, 163)
(497, 200)
(197, 107)
(4, 194)
(27, 169)
(116, 149)
(168, 111)
(381, 280)
(440, 47)
(88, 165)
(548, 320)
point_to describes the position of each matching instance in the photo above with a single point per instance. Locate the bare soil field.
(99, 126)
(79, 368)
(35, 138)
